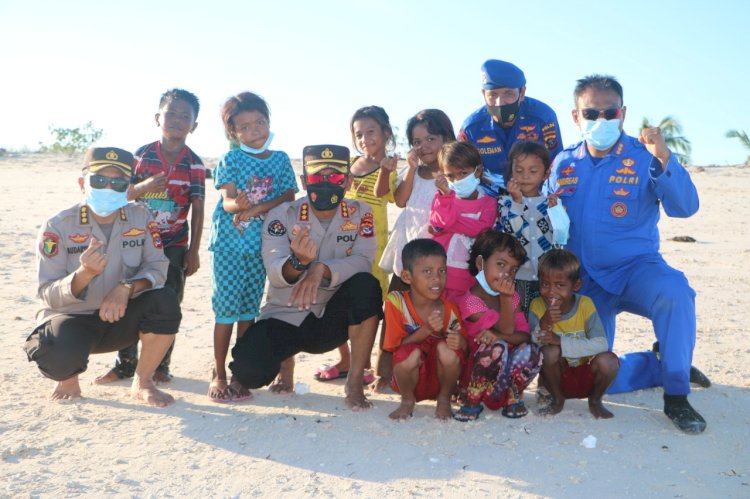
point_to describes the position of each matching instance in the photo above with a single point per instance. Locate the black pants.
(258, 354)
(61, 346)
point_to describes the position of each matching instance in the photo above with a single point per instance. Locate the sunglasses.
(118, 184)
(592, 114)
(334, 178)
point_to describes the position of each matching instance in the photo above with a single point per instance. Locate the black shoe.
(696, 375)
(678, 409)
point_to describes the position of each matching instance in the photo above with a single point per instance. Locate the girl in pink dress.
(502, 358)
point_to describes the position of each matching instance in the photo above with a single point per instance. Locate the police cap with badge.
(325, 190)
(501, 74)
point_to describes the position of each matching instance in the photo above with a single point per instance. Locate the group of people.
(481, 298)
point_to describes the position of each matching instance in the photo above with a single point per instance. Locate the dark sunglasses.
(118, 184)
(334, 178)
(592, 114)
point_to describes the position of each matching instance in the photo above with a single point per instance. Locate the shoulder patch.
(303, 215)
(50, 244)
(155, 236)
(276, 228)
(366, 225)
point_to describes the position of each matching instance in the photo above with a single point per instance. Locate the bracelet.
(296, 264)
(129, 285)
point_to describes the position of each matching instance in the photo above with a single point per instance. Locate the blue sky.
(65, 63)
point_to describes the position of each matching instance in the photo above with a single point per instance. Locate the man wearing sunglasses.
(101, 270)
(318, 252)
(613, 186)
(507, 116)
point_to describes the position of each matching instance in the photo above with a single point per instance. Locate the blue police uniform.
(536, 121)
(613, 204)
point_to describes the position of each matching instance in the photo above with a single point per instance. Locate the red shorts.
(577, 382)
(428, 386)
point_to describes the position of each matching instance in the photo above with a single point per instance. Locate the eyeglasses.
(118, 184)
(334, 178)
(594, 114)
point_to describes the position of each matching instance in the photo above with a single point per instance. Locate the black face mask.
(325, 196)
(505, 114)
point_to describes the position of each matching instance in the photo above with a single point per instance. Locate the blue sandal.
(515, 411)
(469, 413)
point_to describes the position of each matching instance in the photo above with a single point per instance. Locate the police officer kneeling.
(101, 270)
(318, 251)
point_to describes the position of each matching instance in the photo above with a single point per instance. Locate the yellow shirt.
(363, 189)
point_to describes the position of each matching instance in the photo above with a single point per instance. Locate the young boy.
(424, 332)
(577, 362)
(170, 179)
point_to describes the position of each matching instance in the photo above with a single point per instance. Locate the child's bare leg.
(67, 389)
(235, 389)
(604, 367)
(284, 383)
(346, 358)
(222, 337)
(552, 371)
(449, 369)
(361, 336)
(406, 373)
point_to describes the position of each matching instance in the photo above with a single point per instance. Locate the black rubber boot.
(696, 375)
(678, 409)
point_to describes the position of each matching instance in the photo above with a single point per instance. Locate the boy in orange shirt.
(424, 332)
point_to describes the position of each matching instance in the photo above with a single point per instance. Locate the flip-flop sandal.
(233, 394)
(369, 378)
(515, 411)
(469, 413)
(329, 373)
(222, 399)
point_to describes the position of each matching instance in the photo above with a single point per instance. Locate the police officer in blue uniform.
(507, 116)
(613, 186)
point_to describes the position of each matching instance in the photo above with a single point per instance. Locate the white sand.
(310, 445)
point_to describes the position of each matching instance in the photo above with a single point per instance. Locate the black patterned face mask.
(325, 196)
(505, 114)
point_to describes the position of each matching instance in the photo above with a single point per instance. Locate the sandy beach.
(310, 445)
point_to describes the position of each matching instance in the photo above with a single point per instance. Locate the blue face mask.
(482, 280)
(466, 186)
(601, 134)
(104, 202)
(560, 221)
(262, 149)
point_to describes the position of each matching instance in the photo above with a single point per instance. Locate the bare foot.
(443, 410)
(381, 385)
(598, 410)
(355, 395)
(162, 377)
(145, 391)
(109, 377)
(66, 390)
(404, 411)
(238, 392)
(282, 386)
(553, 408)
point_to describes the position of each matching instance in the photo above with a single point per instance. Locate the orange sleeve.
(395, 331)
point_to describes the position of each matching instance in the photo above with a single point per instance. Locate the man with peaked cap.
(318, 251)
(101, 273)
(507, 116)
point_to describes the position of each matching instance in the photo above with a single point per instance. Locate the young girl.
(494, 323)
(372, 135)
(460, 211)
(523, 212)
(426, 131)
(252, 180)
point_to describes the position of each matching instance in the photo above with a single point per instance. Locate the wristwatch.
(129, 285)
(296, 264)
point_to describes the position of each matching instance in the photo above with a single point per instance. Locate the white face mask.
(482, 280)
(601, 134)
(560, 221)
(260, 150)
(466, 186)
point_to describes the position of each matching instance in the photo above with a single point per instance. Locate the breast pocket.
(621, 205)
(132, 255)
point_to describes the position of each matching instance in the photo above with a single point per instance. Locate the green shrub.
(72, 140)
